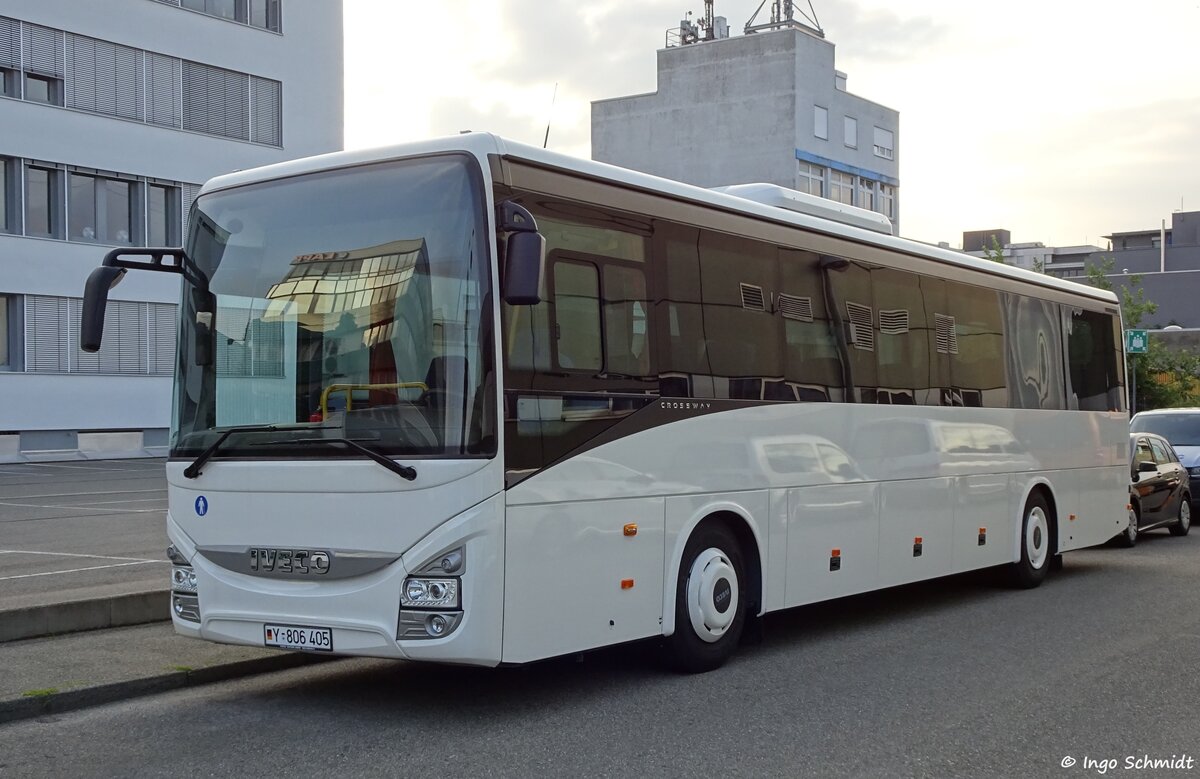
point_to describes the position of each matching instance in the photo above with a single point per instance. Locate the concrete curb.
(28, 707)
(115, 611)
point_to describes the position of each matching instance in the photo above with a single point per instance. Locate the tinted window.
(1091, 344)
(738, 283)
(1162, 454)
(1142, 452)
(1033, 353)
(577, 316)
(1181, 429)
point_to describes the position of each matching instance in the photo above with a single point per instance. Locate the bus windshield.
(345, 305)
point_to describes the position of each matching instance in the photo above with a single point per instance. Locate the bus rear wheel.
(1036, 540)
(710, 600)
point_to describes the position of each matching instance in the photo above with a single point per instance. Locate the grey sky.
(1060, 120)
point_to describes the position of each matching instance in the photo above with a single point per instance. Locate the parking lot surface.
(81, 529)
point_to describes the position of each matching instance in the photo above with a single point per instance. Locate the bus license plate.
(298, 637)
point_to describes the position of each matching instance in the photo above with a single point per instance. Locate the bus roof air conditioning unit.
(804, 203)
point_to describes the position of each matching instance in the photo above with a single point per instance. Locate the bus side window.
(627, 348)
(577, 316)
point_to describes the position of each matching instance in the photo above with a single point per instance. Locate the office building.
(114, 114)
(765, 106)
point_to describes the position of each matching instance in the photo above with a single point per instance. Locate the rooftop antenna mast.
(708, 28)
(783, 15)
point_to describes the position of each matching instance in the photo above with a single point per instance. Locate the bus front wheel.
(1036, 541)
(710, 600)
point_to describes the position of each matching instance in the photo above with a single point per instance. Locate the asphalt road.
(81, 529)
(957, 677)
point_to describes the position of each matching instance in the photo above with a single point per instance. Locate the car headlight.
(183, 579)
(430, 593)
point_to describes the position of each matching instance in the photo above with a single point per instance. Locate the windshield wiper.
(194, 470)
(405, 471)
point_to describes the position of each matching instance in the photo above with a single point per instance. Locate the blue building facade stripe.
(817, 159)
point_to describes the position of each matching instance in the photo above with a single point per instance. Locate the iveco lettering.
(469, 401)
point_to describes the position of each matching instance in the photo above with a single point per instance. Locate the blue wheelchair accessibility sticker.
(201, 506)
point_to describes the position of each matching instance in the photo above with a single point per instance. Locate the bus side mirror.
(524, 254)
(524, 268)
(95, 302)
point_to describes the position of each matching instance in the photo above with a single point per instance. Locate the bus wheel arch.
(1037, 538)
(718, 562)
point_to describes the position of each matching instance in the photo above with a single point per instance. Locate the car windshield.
(1182, 429)
(348, 304)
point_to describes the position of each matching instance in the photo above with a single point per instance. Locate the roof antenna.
(546, 140)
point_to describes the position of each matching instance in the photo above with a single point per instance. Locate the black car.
(1159, 493)
(1180, 426)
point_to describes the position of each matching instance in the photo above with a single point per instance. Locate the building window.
(887, 200)
(8, 82)
(139, 338)
(162, 215)
(266, 111)
(6, 197)
(43, 89)
(105, 78)
(42, 62)
(10, 57)
(263, 14)
(41, 202)
(884, 144)
(851, 132)
(100, 209)
(820, 122)
(811, 179)
(216, 101)
(841, 187)
(4, 333)
(866, 194)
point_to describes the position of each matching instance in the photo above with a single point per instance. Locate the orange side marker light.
(627, 584)
(631, 529)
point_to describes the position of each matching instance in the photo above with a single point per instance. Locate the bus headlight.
(429, 593)
(183, 579)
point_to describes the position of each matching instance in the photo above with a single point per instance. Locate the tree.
(1165, 377)
(995, 252)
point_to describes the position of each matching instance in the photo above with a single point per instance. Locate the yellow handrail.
(349, 389)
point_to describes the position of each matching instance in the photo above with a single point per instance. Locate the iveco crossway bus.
(475, 402)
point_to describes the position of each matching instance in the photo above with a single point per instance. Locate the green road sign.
(1135, 341)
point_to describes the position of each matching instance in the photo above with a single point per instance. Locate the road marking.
(81, 494)
(82, 508)
(90, 468)
(73, 554)
(79, 570)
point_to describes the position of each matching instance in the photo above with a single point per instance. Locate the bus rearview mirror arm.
(112, 269)
(524, 255)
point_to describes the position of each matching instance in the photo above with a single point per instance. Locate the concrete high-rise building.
(761, 107)
(114, 113)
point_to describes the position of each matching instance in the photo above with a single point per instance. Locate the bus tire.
(1183, 523)
(710, 600)
(1031, 569)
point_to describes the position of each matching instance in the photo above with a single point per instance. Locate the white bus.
(471, 401)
